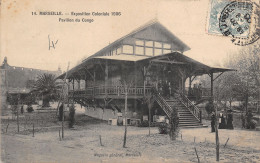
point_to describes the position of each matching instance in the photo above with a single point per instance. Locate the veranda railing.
(109, 90)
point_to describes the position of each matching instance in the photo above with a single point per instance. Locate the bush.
(209, 107)
(29, 109)
(251, 124)
(144, 124)
(163, 128)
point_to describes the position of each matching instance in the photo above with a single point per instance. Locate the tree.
(149, 99)
(247, 64)
(46, 87)
(226, 88)
(126, 81)
(174, 125)
(242, 84)
(126, 86)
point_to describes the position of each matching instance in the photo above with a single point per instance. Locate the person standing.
(22, 110)
(230, 120)
(243, 118)
(249, 118)
(222, 124)
(160, 87)
(71, 115)
(61, 112)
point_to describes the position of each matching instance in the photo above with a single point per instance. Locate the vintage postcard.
(130, 81)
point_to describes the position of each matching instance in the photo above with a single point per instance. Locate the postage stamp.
(236, 19)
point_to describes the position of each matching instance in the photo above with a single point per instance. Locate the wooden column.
(73, 88)
(211, 86)
(182, 79)
(216, 115)
(144, 79)
(182, 84)
(190, 82)
(94, 81)
(106, 78)
(135, 83)
(258, 101)
(189, 91)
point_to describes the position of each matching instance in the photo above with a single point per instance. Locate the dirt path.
(240, 138)
(82, 145)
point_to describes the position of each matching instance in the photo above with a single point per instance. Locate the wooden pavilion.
(149, 58)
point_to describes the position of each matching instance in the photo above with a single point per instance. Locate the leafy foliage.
(46, 87)
(242, 84)
(144, 124)
(172, 128)
(163, 128)
(29, 109)
(209, 107)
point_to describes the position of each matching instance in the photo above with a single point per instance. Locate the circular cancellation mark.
(241, 21)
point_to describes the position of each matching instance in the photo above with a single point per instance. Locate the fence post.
(226, 142)
(200, 116)
(7, 125)
(197, 155)
(17, 119)
(24, 123)
(59, 135)
(33, 129)
(100, 141)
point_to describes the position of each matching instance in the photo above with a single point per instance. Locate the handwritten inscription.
(52, 44)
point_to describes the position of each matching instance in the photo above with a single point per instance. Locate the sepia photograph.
(130, 81)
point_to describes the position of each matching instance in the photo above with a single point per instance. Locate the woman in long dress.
(222, 124)
(230, 120)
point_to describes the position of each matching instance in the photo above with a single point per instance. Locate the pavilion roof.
(198, 67)
(153, 23)
(171, 58)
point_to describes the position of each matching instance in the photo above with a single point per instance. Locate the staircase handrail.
(191, 107)
(164, 105)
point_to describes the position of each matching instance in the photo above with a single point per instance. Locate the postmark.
(235, 19)
(254, 30)
(238, 20)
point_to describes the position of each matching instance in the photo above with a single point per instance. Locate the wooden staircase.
(186, 118)
(189, 114)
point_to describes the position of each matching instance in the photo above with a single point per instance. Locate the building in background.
(16, 82)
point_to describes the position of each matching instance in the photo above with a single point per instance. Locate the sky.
(25, 37)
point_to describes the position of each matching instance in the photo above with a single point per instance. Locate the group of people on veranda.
(165, 88)
(195, 92)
